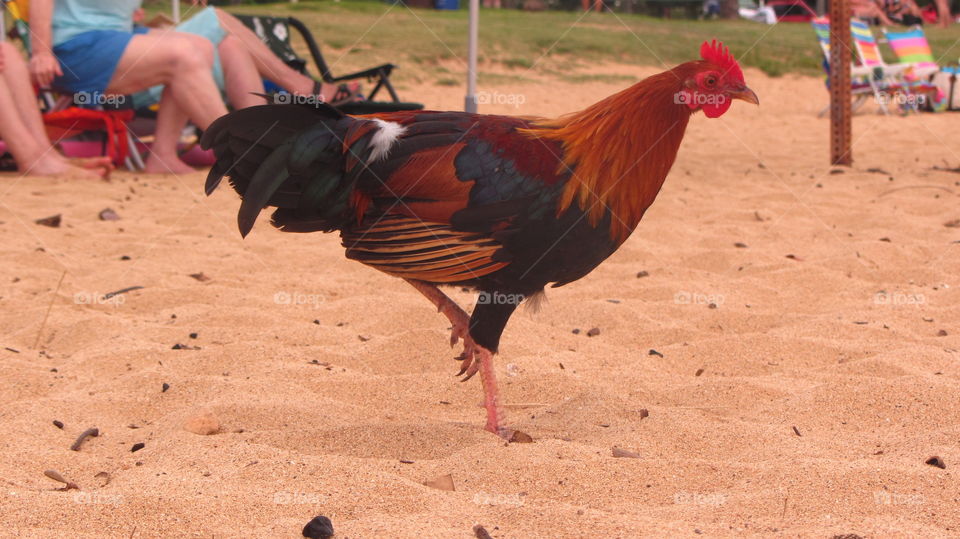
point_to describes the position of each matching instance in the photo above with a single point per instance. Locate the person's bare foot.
(101, 166)
(53, 164)
(166, 165)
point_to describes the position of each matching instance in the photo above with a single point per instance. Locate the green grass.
(360, 33)
(599, 77)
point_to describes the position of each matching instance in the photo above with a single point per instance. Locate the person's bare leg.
(268, 64)
(18, 81)
(240, 74)
(33, 157)
(944, 17)
(16, 78)
(177, 62)
(163, 158)
(30, 155)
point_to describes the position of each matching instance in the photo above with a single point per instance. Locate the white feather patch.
(384, 139)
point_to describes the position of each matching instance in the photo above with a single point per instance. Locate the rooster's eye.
(709, 81)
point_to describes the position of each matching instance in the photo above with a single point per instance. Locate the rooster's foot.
(475, 358)
(478, 359)
(470, 365)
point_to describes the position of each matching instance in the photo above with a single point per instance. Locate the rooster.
(503, 205)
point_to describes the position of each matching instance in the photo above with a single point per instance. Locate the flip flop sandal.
(347, 95)
(7, 163)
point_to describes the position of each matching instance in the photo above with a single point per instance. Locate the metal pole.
(841, 46)
(176, 11)
(470, 102)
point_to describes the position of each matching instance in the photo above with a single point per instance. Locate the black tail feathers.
(287, 156)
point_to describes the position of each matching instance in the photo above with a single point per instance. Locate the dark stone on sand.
(318, 528)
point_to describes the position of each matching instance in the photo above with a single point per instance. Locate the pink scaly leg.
(475, 357)
(491, 394)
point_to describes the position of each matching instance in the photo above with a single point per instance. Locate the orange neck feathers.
(621, 149)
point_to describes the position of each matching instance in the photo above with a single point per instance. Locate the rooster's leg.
(491, 395)
(460, 321)
(457, 316)
(475, 357)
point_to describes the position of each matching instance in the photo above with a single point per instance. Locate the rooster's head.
(712, 83)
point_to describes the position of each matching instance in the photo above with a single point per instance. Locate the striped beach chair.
(865, 80)
(869, 52)
(912, 49)
(904, 87)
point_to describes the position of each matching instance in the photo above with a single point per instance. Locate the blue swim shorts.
(88, 60)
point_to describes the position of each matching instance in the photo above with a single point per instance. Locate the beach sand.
(786, 365)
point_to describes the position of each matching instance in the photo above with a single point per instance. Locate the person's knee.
(190, 51)
(229, 43)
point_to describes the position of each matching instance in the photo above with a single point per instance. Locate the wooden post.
(841, 46)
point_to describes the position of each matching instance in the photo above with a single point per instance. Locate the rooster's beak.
(745, 94)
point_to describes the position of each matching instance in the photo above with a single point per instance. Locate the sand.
(799, 384)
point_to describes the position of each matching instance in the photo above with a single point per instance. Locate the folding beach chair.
(865, 81)
(869, 52)
(912, 49)
(275, 33)
(915, 92)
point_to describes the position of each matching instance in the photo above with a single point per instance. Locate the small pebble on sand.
(203, 423)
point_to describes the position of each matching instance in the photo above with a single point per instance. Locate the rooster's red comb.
(718, 55)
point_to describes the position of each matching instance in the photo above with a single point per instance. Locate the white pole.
(176, 11)
(470, 102)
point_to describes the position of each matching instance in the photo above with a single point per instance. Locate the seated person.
(888, 12)
(21, 126)
(905, 12)
(97, 50)
(944, 17)
(870, 11)
(242, 61)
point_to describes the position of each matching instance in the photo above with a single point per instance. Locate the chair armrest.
(895, 70)
(879, 72)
